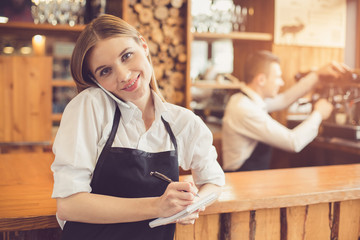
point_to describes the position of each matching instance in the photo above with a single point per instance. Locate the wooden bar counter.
(288, 204)
(298, 203)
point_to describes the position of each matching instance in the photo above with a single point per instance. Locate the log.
(132, 2)
(153, 47)
(182, 57)
(179, 97)
(138, 7)
(161, 2)
(145, 15)
(180, 67)
(146, 3)
(176, 3)
(169, 63)
(177, 79)
(161, 13)
(174, 12)
(157, 35)
(159, 71)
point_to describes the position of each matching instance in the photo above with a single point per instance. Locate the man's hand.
(324, 107)
(333, 71)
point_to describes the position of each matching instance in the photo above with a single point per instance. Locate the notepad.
(187, 211)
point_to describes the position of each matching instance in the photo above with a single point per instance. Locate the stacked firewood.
(163, 24)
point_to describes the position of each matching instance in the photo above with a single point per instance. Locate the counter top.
(26, 184)
(279, 188)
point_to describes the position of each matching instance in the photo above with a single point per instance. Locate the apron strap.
(108, 144)
(172, 136)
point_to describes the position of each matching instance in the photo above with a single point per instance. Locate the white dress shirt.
(247, 121)
(86, 124)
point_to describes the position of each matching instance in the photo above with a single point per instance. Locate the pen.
(164, 178)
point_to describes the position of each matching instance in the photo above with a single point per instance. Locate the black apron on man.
(260, 158)
(125, 172)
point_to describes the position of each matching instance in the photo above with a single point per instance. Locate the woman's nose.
(122, 73)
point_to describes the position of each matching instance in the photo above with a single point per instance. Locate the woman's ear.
(144, 45)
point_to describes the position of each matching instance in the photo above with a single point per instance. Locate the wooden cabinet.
(28, 83)
(62, 33)
(259, 35)
(25, 99)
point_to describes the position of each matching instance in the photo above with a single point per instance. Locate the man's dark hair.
(258, 62)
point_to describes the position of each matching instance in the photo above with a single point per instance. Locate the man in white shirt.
(249, 132)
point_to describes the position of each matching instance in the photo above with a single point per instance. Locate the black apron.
(125, 172)
(260, 158)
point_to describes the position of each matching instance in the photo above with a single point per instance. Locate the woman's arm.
(95, 208)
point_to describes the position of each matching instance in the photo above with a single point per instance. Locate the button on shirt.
(246, 122)
(86, 124)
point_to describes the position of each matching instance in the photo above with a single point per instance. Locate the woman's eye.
(105, 71)
(126, 56)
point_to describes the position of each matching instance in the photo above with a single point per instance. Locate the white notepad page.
(188, 210)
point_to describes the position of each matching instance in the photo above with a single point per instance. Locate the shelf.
(215, 85)
(234, 35)
(30, 29)
(63, 83)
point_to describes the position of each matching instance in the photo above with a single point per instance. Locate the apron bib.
(125, 172)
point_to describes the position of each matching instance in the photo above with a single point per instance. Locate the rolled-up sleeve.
(200, 155)
(76, 147)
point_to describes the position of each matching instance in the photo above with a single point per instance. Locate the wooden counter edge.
(280, 202)
(28, 223)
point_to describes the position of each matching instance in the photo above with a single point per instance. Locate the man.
(249, 132)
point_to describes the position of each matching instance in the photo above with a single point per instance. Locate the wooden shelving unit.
(253, 36)
(215, 85)
(29, 29)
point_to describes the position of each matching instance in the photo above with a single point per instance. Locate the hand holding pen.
(164, 178)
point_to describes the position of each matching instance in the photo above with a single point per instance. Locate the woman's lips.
(132, 85)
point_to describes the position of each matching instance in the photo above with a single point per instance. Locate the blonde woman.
(115, 132)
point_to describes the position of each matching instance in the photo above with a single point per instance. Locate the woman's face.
(120, 65)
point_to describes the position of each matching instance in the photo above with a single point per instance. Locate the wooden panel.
(267, 224)
(207, 227)
(240, 225)
(25, 99)
(317, 222)
(184, 232)
(349, 227)
(296, 217)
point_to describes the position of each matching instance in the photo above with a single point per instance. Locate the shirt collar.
(255, 97)
(128, 109)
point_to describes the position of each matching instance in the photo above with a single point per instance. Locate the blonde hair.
(103, 27)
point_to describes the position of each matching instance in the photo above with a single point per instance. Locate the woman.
(115, 132)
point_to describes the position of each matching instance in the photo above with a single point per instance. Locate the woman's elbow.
(61, 211)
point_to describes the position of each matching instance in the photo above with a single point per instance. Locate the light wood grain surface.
(286, 188)
(26, 184)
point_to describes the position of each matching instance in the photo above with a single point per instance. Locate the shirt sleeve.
(197, 153)
(286, 98)
(256, 124)
(76, 146)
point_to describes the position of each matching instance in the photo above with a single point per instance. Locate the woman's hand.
(176, 197)
(190, 219)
